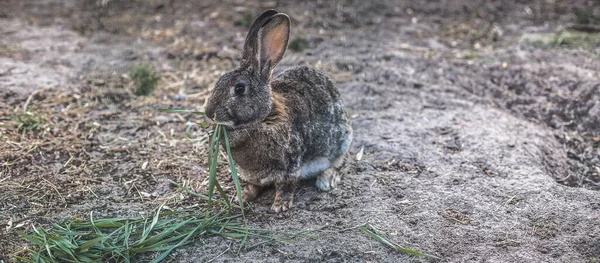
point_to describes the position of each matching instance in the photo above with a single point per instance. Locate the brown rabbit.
(281, 129)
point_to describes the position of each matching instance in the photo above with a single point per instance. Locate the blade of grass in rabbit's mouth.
(228, 124)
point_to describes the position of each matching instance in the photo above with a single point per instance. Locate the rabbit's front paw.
(328, 180)
(284, 196)
(280, 205)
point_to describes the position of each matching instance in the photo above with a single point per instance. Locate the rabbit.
(281, 129)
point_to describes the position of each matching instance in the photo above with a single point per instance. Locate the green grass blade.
(222, 193)
(187, 190)
(63, 245)
(234, 175)
(34, 240)
(182, 242)
(213, 158)
(85, 259)
(85, 246)
(97, 224)
(126, 236)
(396, 247)
(45, 242)
(212, 163)
(159, 245)
(94, 224)
(148, 229)
(164, 233)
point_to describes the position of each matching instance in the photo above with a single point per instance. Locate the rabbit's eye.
(239, 88)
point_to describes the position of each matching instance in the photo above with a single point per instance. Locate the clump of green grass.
(29, 121)
(127, 239)
(470, 55)
(373, 233)
(144, 78)
(586, 16)
(121, 240)
(581, 40)
(298, 44)
(565, 39)
(244, 20)
(219, 135)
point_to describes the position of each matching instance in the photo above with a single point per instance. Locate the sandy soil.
(479, 146)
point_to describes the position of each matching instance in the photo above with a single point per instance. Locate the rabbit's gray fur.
(281, 129)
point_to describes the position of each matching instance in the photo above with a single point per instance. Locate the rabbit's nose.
(210, 112)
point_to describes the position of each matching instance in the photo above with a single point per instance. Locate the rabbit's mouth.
(223, 118)
(228, 124)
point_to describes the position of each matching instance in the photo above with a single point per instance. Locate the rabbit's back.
(321, 129)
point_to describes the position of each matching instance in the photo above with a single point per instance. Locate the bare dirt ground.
(481, 144)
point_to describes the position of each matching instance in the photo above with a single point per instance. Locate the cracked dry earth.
(468, 152)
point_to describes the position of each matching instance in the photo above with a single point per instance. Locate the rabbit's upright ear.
(273, 38)
(250, 52)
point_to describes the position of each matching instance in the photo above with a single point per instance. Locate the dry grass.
(88, 148)
(70, 147)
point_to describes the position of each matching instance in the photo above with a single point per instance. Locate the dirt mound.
(560, 91)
